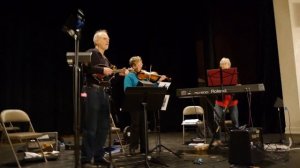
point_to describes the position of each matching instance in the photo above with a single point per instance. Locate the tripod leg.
(157, 161)
(170, 151)
(159, 145)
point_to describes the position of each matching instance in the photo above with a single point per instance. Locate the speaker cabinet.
(246, 147)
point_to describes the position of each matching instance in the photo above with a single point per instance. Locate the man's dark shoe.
(102, 161)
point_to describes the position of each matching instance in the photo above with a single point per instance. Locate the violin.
(152, 76)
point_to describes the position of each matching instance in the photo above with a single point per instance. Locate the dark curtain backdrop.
(179, 39)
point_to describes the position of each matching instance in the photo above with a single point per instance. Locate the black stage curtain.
(180, 40)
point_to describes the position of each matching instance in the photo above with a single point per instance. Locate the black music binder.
(135, 96)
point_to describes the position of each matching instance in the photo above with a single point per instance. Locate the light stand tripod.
(73, 59)
(73, 27)
(76, 101)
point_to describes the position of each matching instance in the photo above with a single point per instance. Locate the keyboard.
(201, 91)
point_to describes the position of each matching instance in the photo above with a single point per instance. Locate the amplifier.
(246, 147)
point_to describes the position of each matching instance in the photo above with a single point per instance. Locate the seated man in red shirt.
(227, 103)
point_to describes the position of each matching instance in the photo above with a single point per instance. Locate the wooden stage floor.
(279, 157)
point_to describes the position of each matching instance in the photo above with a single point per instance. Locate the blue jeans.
(234, 115)
(95, 124)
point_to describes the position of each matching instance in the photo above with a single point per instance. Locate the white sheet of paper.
(164, 84)
(165, 103)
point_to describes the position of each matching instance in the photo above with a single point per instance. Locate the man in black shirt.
(96, 118)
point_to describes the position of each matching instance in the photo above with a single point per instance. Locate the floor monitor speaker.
(246, 146)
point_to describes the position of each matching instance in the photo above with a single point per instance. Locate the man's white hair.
(98, 34)
(225, 60)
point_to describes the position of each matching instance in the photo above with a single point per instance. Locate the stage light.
(74, 23)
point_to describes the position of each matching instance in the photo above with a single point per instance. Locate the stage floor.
(276, 156)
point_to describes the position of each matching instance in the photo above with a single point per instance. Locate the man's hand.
(124, 72)
(107, 71)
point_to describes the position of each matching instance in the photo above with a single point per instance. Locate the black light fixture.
(74, 23)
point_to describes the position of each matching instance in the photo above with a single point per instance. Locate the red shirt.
(227, 101)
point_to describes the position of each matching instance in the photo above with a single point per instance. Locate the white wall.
(287, 20)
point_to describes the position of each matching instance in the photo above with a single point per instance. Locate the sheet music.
(164, 84)
(165, 103)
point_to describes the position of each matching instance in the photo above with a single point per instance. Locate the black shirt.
(94, 71)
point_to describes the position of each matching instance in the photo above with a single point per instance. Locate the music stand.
(157, 127)
(221, 77)
(146, 99)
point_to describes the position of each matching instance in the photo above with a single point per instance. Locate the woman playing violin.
(136, 74)
(137, 118)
